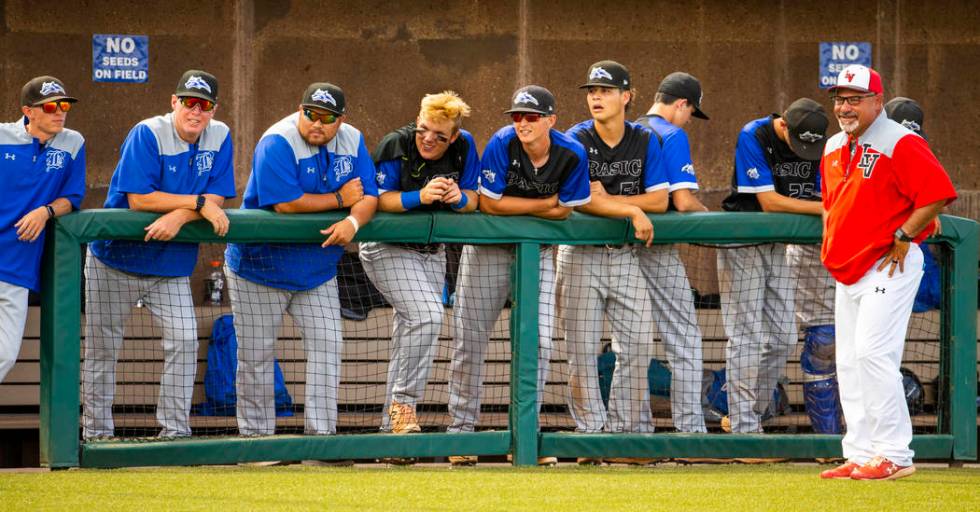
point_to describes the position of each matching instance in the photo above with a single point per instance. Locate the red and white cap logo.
(859, 78)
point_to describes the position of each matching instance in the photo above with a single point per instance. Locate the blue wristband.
(462, 202)
(411, 200)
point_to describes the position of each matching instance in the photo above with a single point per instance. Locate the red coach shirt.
(870, 195)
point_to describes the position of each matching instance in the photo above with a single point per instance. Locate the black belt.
(610, 246)
(420, 248)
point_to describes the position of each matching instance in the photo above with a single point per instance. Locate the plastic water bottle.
(215, 285)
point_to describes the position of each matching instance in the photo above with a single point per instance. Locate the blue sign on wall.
(120, 58)
(834, 57)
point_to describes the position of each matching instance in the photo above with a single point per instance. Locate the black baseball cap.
(683, 85)
(533, 99)
(906, 112)
(325, 96)
(807, 123)
(195, 83)
(43, 89)
(608, 73)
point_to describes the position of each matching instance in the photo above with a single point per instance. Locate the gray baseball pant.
(815, 286)
(593, 283)
(412, 283)
(13, 317)
(758, 313)
(258, 313)
(109, 299)
(483, 286)
(673, 308)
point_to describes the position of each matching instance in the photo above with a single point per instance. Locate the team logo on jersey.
(525, 97)
(196, 82)
(380, 177)
(204, 161)
(489, 175)
(753, 173)
(323, 97)
(868, 161)
(688, 168)
(342, 167)
(810, 137)
(598, 72)
(48, 88)
(54, 160)
(911, 125)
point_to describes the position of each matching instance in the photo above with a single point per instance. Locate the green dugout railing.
(61, 335)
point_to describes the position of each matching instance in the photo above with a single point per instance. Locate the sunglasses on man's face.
(528, 116)
(52, 106)
(323, 118)
(205, 105)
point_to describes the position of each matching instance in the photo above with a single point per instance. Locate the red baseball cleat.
(842, 471)
(880, 468)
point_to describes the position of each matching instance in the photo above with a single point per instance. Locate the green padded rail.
(61, 319)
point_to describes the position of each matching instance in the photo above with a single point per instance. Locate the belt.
(610, 246)
(420, 248)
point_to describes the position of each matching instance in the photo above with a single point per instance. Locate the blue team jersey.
(633, 167)
(284, 167)
(676, 152)
(507, 170)
(764, 163)
(33, 175)
(397, 151)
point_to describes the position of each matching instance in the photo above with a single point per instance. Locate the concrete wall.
(753, 58)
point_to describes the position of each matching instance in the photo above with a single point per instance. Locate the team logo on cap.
(849, 76)
(911, 125)
(525, 97)
(54, 160)
(598, 72)
(48, 88)
(196, 82)
(323, 97)
(810, 137)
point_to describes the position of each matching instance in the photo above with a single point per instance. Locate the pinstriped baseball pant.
(109, 299)
(596, 283)
(412, 283)
(673, 310)
(759, 317)
(258, 313)
(482, 289)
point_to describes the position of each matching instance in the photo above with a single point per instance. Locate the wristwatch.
(902, 235)
(200, 203)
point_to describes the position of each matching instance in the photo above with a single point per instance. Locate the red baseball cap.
(860, 78)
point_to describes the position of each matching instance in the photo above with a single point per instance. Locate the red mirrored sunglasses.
(52, 106)
(206, 106)
(529, 116)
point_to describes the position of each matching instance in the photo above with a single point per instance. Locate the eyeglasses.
(52, 106)
(206, 106)
(528, 116)
(439, 136)
(851, 100)
(323, 118)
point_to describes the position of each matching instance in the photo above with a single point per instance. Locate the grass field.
(779, 487)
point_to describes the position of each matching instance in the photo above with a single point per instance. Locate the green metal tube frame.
(61, 335)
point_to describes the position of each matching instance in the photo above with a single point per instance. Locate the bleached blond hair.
(445, 106)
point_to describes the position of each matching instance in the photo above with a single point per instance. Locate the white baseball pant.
(13, 317)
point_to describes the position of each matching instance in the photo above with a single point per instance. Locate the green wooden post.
(60, 347)
(961, 318)
(524, 355)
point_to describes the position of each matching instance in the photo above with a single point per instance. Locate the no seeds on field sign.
(834, 57)
(120, 58)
